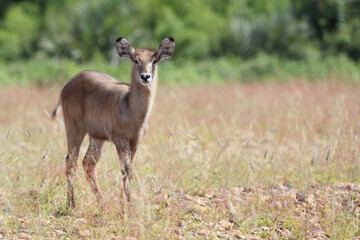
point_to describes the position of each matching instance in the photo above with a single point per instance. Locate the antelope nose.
(145, 76)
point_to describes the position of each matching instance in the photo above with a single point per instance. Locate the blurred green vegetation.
(216, 40)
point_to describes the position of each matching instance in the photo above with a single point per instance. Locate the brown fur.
(97, 104)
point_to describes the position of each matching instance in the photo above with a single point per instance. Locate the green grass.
(189, 72)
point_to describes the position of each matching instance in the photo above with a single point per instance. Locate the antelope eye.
(154, 62)
(136, 62)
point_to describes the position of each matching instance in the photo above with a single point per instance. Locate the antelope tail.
(53, 115)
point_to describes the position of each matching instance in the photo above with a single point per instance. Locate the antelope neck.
(140, 100)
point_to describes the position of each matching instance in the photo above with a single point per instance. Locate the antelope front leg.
(123, 150)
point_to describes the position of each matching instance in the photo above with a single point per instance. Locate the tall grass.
(218, 162)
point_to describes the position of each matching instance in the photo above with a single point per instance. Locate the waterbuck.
(97, 104)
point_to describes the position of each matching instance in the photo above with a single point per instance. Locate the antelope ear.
(124, 48)
(166, 49)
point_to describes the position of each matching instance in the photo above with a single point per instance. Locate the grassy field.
(237, 161)
(224, 70)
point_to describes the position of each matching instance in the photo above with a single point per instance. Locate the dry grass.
(252, 161)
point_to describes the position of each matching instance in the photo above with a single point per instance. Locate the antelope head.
(144, 59)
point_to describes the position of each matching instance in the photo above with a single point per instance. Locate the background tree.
(86, 29)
